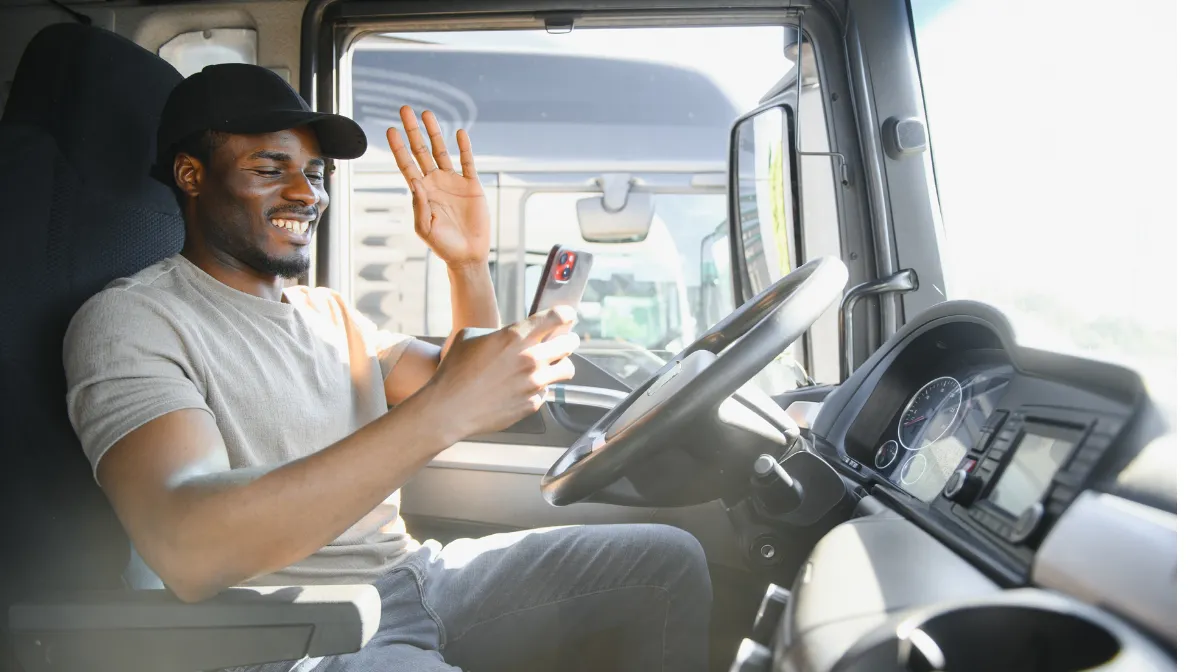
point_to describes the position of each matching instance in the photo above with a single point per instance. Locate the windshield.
(651, 297)
(1050, 138)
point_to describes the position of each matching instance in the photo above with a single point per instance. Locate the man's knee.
(676, 543)
(677, 548)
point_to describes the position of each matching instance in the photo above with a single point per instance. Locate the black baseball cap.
(248, 99)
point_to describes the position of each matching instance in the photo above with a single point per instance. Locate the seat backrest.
(77, 142)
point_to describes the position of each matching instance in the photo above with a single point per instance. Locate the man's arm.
(450, 213)
(203, 527)
(472, 299)
(473, 302)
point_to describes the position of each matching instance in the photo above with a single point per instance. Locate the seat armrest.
(153, 630)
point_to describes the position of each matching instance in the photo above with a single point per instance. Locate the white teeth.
(291, 225)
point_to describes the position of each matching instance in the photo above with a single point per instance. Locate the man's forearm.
(472, 299)
(232, 527)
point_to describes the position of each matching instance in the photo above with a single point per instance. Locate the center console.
(1027, 467)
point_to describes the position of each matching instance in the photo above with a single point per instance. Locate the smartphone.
(563, 279)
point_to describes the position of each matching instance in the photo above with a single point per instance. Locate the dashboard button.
(1027, 524)
(962, 487)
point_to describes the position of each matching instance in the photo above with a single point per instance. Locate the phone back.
(563, 279)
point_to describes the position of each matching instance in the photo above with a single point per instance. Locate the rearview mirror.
(764, 192)
(617, 216)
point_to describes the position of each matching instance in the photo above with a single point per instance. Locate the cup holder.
(1005, 637)
(1024, 629)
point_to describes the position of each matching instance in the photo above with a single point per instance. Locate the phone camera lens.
(564, 258)
(566, 273)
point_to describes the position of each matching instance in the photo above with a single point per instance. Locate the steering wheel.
(693, 384)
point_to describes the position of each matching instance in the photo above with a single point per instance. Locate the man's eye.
(268, 172)
(316, 177)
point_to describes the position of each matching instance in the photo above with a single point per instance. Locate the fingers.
(404, 161)
(415, 140)
(464, 154)
(554, 349)
(561, 372)
(537, 327)
(440, 155)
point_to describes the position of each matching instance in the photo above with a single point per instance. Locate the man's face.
(260, 199)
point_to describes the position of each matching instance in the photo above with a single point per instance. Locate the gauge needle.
(912, 421)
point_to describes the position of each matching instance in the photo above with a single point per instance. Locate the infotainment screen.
(1042, 450)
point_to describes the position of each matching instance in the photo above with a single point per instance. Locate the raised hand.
(449, 209)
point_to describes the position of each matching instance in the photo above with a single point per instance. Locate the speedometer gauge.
(930, 413)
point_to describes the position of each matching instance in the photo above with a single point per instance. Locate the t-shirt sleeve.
(126, 364)
(387, 345)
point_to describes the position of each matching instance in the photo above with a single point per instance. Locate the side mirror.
(618, 216)
(763, 197)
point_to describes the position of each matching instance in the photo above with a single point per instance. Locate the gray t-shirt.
(283, 379)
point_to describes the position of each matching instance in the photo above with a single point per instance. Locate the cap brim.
(340, 137)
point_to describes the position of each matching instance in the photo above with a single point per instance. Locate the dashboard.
(937, 426)
(1015, 508)
(983, 441)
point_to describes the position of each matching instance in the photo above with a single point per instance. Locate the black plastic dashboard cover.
(1108, 380)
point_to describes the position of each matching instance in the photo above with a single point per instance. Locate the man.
(250, 434)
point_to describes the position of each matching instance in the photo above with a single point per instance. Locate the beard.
(232, 232)
(289, 268)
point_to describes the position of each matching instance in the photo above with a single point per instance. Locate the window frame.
(331, 28)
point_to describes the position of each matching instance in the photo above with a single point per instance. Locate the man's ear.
(189, 173)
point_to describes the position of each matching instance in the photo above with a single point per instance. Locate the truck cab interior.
(896, 424)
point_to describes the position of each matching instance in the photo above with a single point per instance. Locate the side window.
(1032, 246)
(553, 118)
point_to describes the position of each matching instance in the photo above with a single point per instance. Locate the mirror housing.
(619, 215)
(763, 197)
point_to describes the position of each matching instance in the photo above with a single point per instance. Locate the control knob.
(751, 657)
(962, 487)
(770, 611)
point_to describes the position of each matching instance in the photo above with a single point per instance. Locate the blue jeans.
(637, 595)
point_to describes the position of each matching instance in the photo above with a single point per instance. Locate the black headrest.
(88, 88)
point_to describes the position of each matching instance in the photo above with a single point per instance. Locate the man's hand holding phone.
(488, 382)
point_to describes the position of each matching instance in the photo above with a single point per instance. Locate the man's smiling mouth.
(293, 225)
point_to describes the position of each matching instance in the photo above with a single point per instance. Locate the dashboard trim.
(992, 566)
(1140, 547)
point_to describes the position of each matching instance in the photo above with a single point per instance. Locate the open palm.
(449, 209)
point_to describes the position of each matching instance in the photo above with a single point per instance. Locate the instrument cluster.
(936, 427)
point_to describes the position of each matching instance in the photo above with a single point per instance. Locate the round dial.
(930, 413)
(914, 469)
(886, 454)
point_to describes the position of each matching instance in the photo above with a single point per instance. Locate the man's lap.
(499, 601)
